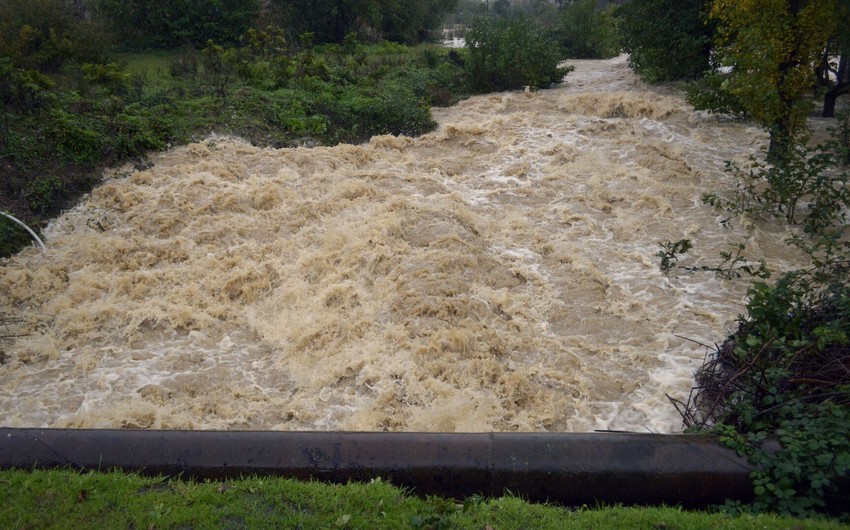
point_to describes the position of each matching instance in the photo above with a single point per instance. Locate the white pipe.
(33, 234)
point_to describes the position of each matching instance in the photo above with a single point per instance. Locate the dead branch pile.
(809, 361)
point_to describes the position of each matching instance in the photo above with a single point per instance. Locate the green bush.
(135, 131)
(45, 35)
(110, 76)
(505, 54)
(23, 90)
(778, 391)
(78, 138)
(708, 94)
(586, 32)
(666, 39)
(441, 85)
(12, 237)
(43, 192)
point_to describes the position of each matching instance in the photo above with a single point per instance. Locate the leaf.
(342, 521)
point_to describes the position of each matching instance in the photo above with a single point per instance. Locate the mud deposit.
(497, 274)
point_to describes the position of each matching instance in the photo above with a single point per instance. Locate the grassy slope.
(66, 499)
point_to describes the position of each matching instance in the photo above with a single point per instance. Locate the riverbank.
(53, 499)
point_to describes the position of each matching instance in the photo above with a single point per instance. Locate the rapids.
(497, 274)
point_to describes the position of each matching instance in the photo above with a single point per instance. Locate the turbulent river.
(497, 274)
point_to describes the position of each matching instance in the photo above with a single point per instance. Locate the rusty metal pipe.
(571, 469)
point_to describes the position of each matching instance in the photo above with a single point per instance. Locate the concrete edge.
(571, 469)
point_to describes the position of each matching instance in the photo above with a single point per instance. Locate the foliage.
(733, 265)
(52, 499)
(395, 20)
(773, 46)
(670, 251)
(666, 39)
(45, 35)
(219, 67)
(56, 132)
(23, 90)
(782, 376)
(505, 54)
(587, 32)
(153, 23)
(111, 76)
(709, 93)
(803, 174)
(412, 22)
(12, 237)
(465, 12)
(328, 20)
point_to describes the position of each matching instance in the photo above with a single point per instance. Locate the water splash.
(496, 274)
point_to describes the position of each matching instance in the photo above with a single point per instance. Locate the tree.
(397, 20)
(586, 32)
(45, 34)
(502, 7)
(328, 20)
(510, 53)
(773, 46)
(840, 46)
(666, 39)
(172, 23)
(412, 22)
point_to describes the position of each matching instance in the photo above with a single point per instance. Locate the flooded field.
(497, 274)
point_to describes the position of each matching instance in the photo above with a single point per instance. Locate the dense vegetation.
(586, 32)
(666, 39)
(58, 130)
(72, 106)
(778, 388)
(506, 54)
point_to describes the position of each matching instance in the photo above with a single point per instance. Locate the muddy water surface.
(496, 274)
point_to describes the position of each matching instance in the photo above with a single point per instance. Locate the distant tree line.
(138, 24)
(170, 23)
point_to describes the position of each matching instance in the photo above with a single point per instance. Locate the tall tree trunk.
(781, 132)
(842, 86)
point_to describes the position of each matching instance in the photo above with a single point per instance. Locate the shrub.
(12, 237)
(709, 94)
(666, 39)
(23, 90)
(782, 376)
(507, 54)
(78, 137)
(43, 192)
(135, 131)
(586, 32)
(111, 76)
(44, 35)
(813, 176)
(441, 85)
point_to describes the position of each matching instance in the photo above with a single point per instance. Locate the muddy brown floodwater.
(497, 274)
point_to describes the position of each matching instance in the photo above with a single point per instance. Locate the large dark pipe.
(571, 469)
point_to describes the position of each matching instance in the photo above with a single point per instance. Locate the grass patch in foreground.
(67, 499)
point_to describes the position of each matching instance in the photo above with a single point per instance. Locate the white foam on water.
(497, 274)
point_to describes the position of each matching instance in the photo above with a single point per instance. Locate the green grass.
(150, 63)
(67, 499)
